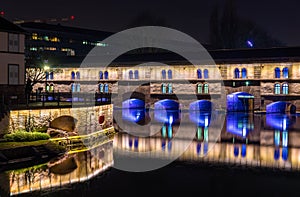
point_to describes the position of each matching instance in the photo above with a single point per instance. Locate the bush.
(42, 129)
(24, 136)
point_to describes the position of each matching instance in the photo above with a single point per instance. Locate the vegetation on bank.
(24, 136)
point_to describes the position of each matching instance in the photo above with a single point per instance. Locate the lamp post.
(46, 68)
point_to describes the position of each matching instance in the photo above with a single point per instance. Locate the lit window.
(277, 88)
(106, 88)
(34, 36)
(78, 87)
(285, 88)
(164, 88)
(73, 87)
(244, 73)
(46, 38)
(205, 89)
(199, 74)
(236, 73)
(33, 49)
(72, 75)
(163, 74)
(51, 88)
(130, 74)
(277, 72)
(169, 74)
(170, 88)
(100, 75)
(136, 74)
(101, 87)
(285, 72)
(105, 75)
(47, 87)
(199, 88)
(205, 72)
(47, 75)
(51, 76)
(77, 75)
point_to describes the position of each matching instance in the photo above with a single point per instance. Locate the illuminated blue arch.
(277, 72)
(205, 72)
(105, 74)
(163, 74)
(170, 74)
(130, 74)
(281, 107)
(244, 73)
(199, 74)
(133, 104)
(166, 104)
(240, 102)
(134, 114)
(100, 75)
(136, 74)
(201, 105)
(285, 72)
(236, 73)
(72, 75)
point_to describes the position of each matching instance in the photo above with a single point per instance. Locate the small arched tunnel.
(240, 102)
(202, 106)
(281, 107)
(166, 104)
(133, 104)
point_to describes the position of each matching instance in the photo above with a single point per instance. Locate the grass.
(24, 136)
(10, 145)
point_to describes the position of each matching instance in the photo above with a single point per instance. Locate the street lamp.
(46, 68)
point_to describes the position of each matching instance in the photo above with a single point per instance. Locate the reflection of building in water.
(73, 168)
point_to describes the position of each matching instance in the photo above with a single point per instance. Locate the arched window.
(78, 87)
(277, 88)
(244, 73)
(100, 75)
(236, 73)
(51, 77)
(136, 74)
(130, 74)
(47, 75)
(199, 88)
(199, 74)
(163, 88)
(285, 72)
(77, 75)
(285, 88)
(163, 74)
(205, 72)
(72, 75)
(101, 87)
(170, 88)
(106, 88)
(47, 87)
(73, 87)
(105, 75)
(277, 72)
(169, 74)
(51, 89)
(205, 88)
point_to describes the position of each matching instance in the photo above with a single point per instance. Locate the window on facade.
(130, 74)
(47, 87)
(199, 74)
(77, 75)
(13, 42)
(106, 89)
(163, 74)
(277, 72)
(285, 72)
(236, 73)
(73, 87)
(101, 87)
(199, 88)
(136, 74)
(77, 87)
(47, 75)
(277, 88)
(205, 72)
(13, 74)
(100, 75)
(106, 75)
(205, 89)
(51, 89)
(285, 88)
(163, 88)
(244, 73)
(72, 75)
(169, 74)
(170, 88)
(51, 77)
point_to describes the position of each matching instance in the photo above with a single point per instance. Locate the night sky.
(281, 19)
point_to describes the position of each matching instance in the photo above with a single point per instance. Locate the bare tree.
(34, 76)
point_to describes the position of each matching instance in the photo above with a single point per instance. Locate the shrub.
(24, 136)
(42, 129)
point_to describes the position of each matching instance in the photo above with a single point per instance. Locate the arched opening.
(277, 72)
(130, 74)
(106, 88)
(244, 73)
(163, 74)
(100, 75)
(170, 74)
(285, 88)
(163, 88)
(72, 75)
(73, 87)
(51, 89)
(240, 102)
(105, 75)
(47, 75)
(285, 72)
(205, 88)
(236, 73)
(136, 74)
(199, 88)
(199, 74)
(78, 87)
(277, 88)
(205, 74)
(170, 88)
(101, 88)
(77, 75)
(51, 77)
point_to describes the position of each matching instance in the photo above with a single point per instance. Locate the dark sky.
(280, 18)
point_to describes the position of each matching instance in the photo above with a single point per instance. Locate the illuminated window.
(244, 73)
(236, 73)
(101, 87)
(47, 87)
(163, 88)
(77, 87)
(51, 76)
(285, 88)
(169, 74)
(130, 74)
(51, 89)
(73, 87)
(106, 89)
(205, 72)
(199, 88)
(34, 36)
(136, 74)
(163, 74)
(277, 72)
(285, 72)
(105, 75)
(77, 75)
(100, 75)
(47, 75)
(199, 74)
(33, 49)
(206, 90)
(170, 88)
(72, 75)
(277, 88)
